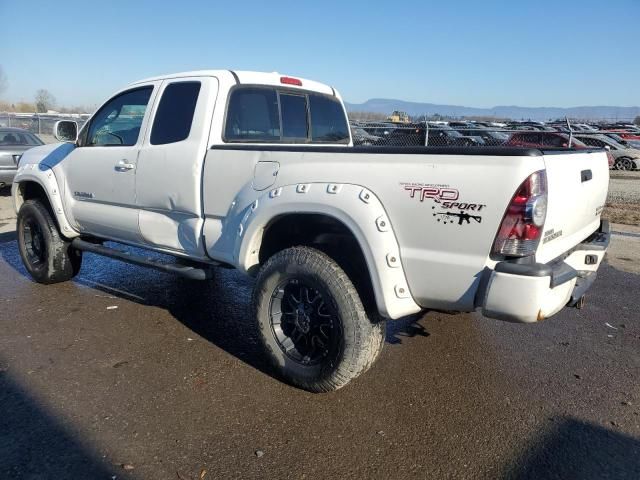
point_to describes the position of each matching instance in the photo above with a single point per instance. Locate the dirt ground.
(623, 203)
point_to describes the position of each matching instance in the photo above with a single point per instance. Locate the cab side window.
(328, 122)
(174, 115)
(118, 122)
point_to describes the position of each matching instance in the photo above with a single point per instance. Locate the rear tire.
(46, 255)
(311, 320)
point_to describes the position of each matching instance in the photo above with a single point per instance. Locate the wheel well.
(33, 191)
(328, 235)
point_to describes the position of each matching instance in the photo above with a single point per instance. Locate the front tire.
(312, 322)
(46, 255)
(624, 163)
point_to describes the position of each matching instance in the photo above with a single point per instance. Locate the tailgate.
(577, 183)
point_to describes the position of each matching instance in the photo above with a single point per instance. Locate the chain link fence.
(622, 142)
(39, 123)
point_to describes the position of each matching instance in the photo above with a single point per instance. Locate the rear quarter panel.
(443, 253)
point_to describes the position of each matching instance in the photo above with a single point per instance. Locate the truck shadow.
(573, 449)
(218, 310)
(34, 444)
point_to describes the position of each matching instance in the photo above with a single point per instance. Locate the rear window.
(14, 137)
(253, 115)
(260, 114)
(175, 113)
(294, 116)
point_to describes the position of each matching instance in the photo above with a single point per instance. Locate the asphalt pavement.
(130, 373)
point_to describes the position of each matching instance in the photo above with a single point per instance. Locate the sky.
(478, 53)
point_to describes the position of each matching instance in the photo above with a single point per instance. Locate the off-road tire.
(58, 260)
(358, 340)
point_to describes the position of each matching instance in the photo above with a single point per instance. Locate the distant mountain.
(386, 106)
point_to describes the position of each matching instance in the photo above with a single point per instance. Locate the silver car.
(625, 158)
(13, 143)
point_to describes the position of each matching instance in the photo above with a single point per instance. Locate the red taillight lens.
(610, 159)
(291, 81)
(521, 227)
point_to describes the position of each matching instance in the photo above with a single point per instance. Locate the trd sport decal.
(436, 192)
(446, 198)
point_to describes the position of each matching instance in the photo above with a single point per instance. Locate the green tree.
(637, 120)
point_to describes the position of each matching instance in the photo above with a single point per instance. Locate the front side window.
(253, 115)
(118, 122)
(556, 141)
(593, 142)
(174, 116)
(328, 121)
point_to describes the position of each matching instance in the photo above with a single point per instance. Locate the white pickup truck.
(257, 171)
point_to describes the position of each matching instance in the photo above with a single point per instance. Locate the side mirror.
(607, 148)
(66, 131)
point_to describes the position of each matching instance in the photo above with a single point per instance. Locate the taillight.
(521, 227)
(610, 159)
(291, 81)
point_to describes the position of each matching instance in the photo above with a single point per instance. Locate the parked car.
(378, 129)
(543, 140)
(539, 126)
(13, 143)
(256, 171)
(362, 137)
(624, 158)
(625, 134)
(490, 136)
(446, 136)
(623, 141)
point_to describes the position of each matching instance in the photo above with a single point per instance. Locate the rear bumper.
(535, 291)
(7, 175)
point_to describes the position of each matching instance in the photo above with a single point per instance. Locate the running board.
(192, 273)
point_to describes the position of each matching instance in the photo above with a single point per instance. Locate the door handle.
(586, 175)
(123, 166)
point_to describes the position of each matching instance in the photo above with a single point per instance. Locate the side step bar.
(193, 273)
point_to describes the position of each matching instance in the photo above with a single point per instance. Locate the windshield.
(490, 133)
(613, 143)
(452, 133)
(14, 137)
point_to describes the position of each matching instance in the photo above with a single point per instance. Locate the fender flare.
(44, 176)
(359, 210)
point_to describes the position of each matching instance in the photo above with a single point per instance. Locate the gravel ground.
(130, 373)
(623, 202)
(624, 187)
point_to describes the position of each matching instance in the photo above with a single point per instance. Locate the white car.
(257, 171)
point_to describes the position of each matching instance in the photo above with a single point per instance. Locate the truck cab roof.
(246, 77)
